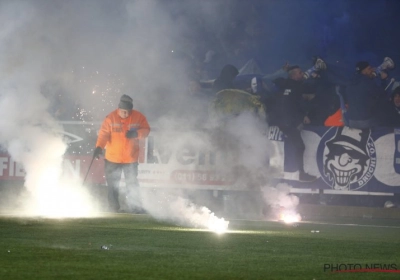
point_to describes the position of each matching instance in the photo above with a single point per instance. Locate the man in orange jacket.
(119, 135)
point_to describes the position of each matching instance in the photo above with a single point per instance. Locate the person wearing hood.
(225, 78)
(119, 135)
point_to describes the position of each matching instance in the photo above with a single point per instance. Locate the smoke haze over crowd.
(85, 54)
(96, 50)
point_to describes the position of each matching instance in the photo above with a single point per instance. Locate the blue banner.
(346, 159)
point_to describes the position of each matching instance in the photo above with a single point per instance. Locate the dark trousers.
(113, 172)
(293, 138)
(362, 124)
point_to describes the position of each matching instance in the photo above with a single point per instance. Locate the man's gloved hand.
(97, 152)
(131, 134)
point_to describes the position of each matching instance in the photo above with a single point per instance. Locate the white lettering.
(274, 133)
(3, 165)
(186, 156)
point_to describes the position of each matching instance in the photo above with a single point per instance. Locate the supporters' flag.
(232, 102)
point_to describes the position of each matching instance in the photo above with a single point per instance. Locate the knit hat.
(126, 102)
(361, 65)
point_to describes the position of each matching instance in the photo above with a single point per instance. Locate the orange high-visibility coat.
(120, 149)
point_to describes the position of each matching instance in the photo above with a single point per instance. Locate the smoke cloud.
(281, 202)
(74, 59)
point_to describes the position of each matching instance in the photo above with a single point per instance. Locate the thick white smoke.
(28, 131)
(86, 53)
(92, 52)
(239, 150)
(280, 197)
(174, 207)
(283, 204)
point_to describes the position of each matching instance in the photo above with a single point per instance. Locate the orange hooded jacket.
(120, 149)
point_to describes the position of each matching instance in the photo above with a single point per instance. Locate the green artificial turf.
(142, 248)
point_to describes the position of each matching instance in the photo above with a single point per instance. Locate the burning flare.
(218, 225)
(289, 216)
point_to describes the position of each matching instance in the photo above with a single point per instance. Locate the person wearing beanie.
(125, 102)
(119, 135)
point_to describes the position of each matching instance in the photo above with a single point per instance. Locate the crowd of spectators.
(359, 96)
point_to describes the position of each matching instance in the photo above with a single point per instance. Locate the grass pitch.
(142, 248)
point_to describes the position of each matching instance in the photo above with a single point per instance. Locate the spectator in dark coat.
(364, 97)
(289, 114)
(289, 108)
